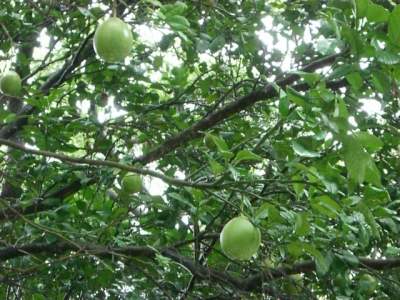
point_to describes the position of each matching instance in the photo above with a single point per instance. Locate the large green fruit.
(10, 84)
(240, 239)
(131, 183)
(113, 40)
(367, 283)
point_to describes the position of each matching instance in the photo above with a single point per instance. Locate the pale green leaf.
(394, 26)
(247, 155)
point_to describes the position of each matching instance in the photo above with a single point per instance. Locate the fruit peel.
(239, 239)
(10, 84)
(113, 40)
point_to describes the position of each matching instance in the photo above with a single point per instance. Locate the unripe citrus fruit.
(131, 183)
(240, 239)
(113, 40)
(10, 83)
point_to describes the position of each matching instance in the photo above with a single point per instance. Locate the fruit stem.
(114, 8)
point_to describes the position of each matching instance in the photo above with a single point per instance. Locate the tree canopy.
(285, 112)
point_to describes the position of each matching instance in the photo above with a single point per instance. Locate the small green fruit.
(367, 283)
(113, 40)
(131, 183)
(10, 84)
(240, 239)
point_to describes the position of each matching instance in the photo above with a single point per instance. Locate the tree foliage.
(259, 108)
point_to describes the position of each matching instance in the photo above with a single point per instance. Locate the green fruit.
(367, 283)
(113, 40)
(10, 84)
(131, 183)
(240, 239)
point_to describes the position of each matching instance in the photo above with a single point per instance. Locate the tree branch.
(251, 283)
(236, 106)
(83, 52)
(41, 204)
(107, 163)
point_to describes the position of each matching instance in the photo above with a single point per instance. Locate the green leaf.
(181, 199)
(302, 226)
(178, 8)
(179, 23)
(348, 257)
(298, 187)
(301, 151)
(387, 57)
(381, 81)
(284, 106)
(326, 206)
(295, 249)
(359, 163)
(216, 167)
(217, 43)
(377, 13)
(372, 173)
(322, 262)
(38, 296)
(310, 78)
(341, 110)
(361, 8)
(355, 80)
(247, 155)
(394, 25)
(369, 141)
(11, 117)
(295, 97)
(270, 212)
(369, 218)
(374, 196)
(220, 143)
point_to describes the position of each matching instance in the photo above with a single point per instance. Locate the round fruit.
(113, 40)
(240, 239)
(367, 283)
(131, 183)
(10, 84)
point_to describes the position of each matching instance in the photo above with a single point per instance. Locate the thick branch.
(236, 106)
(251, 283)
(41, 204)
(254, 282)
